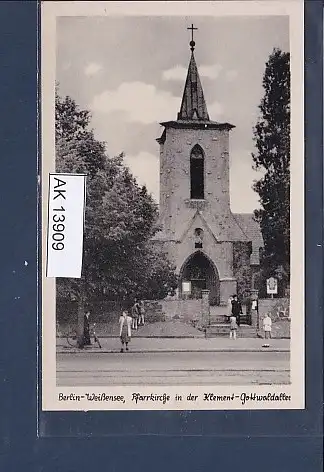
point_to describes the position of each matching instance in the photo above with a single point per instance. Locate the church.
(212, 248)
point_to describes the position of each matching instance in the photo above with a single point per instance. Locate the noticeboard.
(272, 286)
(186, 287)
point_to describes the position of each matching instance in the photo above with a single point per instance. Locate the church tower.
(199, 232)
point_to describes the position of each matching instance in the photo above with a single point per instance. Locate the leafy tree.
(119, 262)
(73, 133)
(272, 142)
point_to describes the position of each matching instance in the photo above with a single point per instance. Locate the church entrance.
(202, 274)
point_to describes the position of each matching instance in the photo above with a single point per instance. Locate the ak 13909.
(58, 221)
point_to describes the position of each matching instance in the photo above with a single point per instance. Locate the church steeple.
(193, 112)
(193, 105)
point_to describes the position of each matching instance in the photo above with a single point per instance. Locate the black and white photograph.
(177, 263)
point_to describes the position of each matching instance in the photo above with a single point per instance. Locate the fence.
(104, 311)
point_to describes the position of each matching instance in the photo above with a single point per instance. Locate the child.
(125, 332)
(267, 323)
(141, 313)
(233, 327)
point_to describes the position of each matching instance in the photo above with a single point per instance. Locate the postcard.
(172, 205)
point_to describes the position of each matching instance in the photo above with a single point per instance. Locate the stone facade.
(208, 244)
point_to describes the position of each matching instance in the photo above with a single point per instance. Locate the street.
(172, 368)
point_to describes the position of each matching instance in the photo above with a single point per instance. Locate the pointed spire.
(193, 105)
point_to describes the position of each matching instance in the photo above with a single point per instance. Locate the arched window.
(197, 173)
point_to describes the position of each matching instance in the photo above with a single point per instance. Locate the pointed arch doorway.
(202, 274)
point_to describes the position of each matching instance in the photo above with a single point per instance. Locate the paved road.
(180, 368)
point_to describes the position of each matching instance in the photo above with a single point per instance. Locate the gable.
(197, 221)
(221, 229)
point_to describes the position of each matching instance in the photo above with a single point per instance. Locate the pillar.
(205, 308)
(254, 309)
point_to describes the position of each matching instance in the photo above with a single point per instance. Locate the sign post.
(272, 286)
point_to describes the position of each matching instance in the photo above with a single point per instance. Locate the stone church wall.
(175, 172)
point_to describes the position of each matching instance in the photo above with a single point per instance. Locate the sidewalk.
(151, 345)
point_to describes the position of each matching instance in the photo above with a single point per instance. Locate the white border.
(295, 10)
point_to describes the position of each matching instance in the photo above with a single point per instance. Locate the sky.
(130, 73)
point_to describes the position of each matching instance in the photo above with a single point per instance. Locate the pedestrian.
(233, 327)
(125, 331)
(135, 315)
(267, 325)
(86, 329)
(141, 308)
(237, 310)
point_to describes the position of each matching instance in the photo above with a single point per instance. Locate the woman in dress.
(125, 329)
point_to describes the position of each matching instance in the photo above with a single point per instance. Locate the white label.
(65, 225)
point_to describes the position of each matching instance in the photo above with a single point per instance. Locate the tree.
(119, 262)
(272, 142)
(73, 133)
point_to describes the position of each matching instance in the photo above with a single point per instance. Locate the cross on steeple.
(192, 42)
(193, 105)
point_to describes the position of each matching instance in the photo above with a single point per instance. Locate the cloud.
(215, 110)
(92, 69)
(180, 72)
(146, 168)
(176, 73)
(142, 103)
(231, 74)
(211, 72)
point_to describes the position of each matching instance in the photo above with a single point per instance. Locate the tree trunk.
(80, 327)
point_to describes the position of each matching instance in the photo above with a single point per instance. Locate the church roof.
(193, 105)
(252, 230)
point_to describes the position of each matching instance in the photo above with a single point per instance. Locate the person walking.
(135, 315)
(233, 327)
(125, 330)
(237, 309)
(267, 325)
(141, 309)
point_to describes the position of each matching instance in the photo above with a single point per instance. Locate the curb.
(157, 351)
(173, 337)
(153, 336)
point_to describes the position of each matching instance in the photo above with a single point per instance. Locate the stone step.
(215, 319)
(218, 330)
(218, 319)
